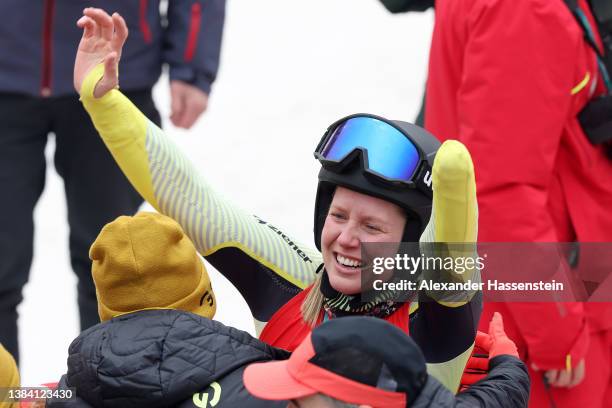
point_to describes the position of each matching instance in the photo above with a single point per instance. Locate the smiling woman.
(354, 218)
(377, 179)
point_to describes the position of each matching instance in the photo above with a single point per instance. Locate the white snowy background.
(289, 68)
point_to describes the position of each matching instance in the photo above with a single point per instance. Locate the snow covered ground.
(289, 68)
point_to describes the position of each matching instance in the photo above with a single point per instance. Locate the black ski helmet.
(415, 202)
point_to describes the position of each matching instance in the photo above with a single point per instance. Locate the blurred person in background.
(37, 49)
(514, 81)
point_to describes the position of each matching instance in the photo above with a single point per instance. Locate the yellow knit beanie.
(147, 262)
(9, 376)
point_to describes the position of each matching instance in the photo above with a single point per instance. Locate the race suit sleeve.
(192, 41)
(445, 324)
(265, 265)
(513, 103)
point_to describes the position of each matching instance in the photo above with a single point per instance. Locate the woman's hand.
(102, 41)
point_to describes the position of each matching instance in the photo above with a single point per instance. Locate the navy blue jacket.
(163, 358)
(39, 39)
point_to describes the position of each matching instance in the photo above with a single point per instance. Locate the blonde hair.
(313, 303)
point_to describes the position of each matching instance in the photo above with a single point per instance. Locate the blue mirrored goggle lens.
(390, 153)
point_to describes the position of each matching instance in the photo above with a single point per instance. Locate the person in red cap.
(370, 363)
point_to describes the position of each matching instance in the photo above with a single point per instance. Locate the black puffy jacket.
(163, 358)
(506, 386)
(166, 358)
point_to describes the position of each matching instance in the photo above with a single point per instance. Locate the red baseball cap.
(359, 360)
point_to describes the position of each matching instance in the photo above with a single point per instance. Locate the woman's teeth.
(347, 261)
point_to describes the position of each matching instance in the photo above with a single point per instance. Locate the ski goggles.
(388, 152)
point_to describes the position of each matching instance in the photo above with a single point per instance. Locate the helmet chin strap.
(325, 195)
(412, 230)
(337, 304)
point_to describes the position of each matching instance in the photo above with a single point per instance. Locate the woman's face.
(354, 218)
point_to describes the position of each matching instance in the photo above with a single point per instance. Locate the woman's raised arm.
(265, 265)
